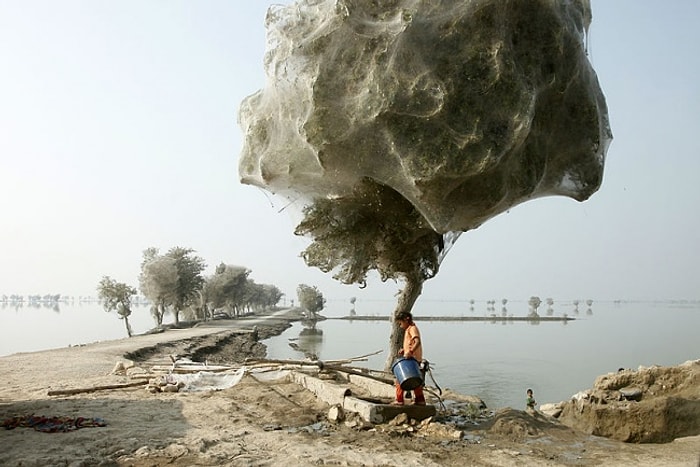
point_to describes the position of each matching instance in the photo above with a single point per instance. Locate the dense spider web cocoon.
(464, 107)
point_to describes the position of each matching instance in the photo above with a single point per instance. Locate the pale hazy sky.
(118, 131)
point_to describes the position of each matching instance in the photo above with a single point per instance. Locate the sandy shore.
(259, 422)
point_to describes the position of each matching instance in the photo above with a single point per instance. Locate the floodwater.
(499, 360)
(28, 328)
(495, 360)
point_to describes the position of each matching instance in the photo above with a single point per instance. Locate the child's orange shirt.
(412, 345)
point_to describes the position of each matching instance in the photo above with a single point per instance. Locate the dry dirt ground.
(263, 422)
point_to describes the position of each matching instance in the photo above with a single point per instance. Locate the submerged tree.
(534, 304)
(374, 228)
(116, 296)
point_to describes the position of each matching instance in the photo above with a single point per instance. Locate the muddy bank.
(648, 405)
(226, 346)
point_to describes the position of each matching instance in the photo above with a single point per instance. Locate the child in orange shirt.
(412, 348)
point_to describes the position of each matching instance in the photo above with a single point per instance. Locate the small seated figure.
(530, 402)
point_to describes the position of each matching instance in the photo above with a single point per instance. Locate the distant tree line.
(174, 284)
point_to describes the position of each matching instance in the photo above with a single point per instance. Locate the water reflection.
(550, 303)
(309, 341)
(17, 306)
(534, 319)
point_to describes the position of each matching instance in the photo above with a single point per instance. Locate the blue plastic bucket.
(407, 373)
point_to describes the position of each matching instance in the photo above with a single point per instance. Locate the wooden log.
(281, 362)
(353, 371)
(360, 358)
(68, 392)
(192, 368)
(312, 362)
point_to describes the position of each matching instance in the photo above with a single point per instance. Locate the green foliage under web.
(373, 228)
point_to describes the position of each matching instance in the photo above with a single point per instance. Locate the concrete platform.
(382, 413)
(368, 407)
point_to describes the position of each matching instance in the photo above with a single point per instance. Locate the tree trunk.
(410, 293)
(161, 312)
(154, 313)
(128, 326)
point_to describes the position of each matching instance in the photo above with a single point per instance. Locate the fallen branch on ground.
(68, 392)
(358, 372)
(319, 363)
(192, 368)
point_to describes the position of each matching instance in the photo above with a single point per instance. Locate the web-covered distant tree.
(225, 288)
(310, 299)
(252, 298)
(158, 282)
(189, 278)
(172, 280)
(270, 295)
(230, 288)
(375, 228)
(116, 296)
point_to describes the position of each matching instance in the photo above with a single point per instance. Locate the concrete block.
(328, 392)
(374, 387)
(382, 413)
